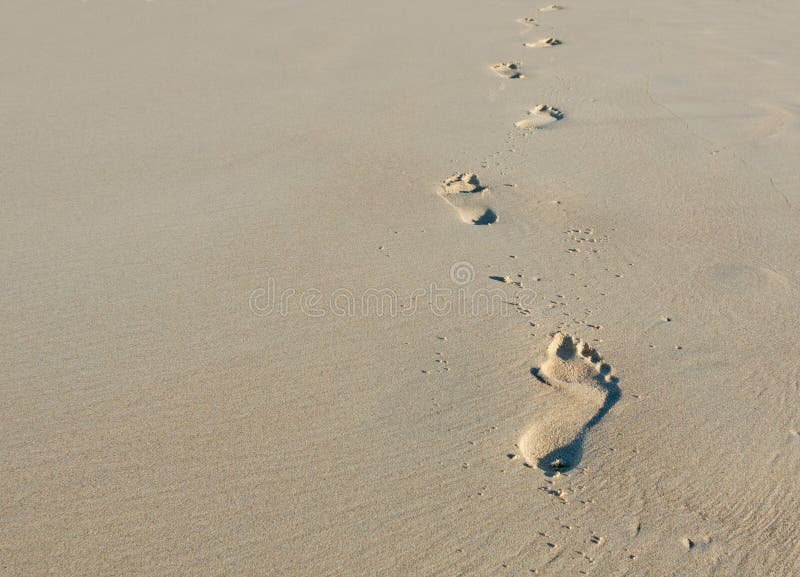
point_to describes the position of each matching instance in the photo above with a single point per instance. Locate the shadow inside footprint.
(566, 457)
(488, 217)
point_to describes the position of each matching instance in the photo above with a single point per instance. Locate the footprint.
(554, 442)
(540, 116)
(697, 545)
(543, 43)
(551, 8)
(508, 70)
(469, 197)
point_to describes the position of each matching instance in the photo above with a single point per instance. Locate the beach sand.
(299, 288)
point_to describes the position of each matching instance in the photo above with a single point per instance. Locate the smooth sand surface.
(250, 329)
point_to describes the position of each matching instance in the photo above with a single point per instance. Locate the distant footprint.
(508, 70)
(551, 8)
(543, 43)
(469, 197)
(554, 442)
(528, 21)
(540, 116)
(696, 545)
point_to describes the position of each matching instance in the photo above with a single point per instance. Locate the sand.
(252, 326)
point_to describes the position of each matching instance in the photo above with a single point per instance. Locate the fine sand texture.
(421, 289)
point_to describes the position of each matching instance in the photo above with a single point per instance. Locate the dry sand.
(250, 329)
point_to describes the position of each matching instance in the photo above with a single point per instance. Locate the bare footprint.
(543, 43)
(554, 442)
(508, 70)
(551, 8)
(540, 116)
(469, 197)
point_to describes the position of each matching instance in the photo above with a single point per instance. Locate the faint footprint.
(528, 21)
(543, 43)
(540, 116)
(465, 193)
(508, 70)
(697, 545)
(554, 442)
(551, 8)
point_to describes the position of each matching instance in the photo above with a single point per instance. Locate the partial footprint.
(540, 116)
(551, 8)
(554, 442)
(543, 43)
(465, 193)
(508, 70)
(697, 544)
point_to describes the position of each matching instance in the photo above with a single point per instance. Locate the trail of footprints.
(464, 192)
(580, 386)
(585, 389)
(554, 441)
